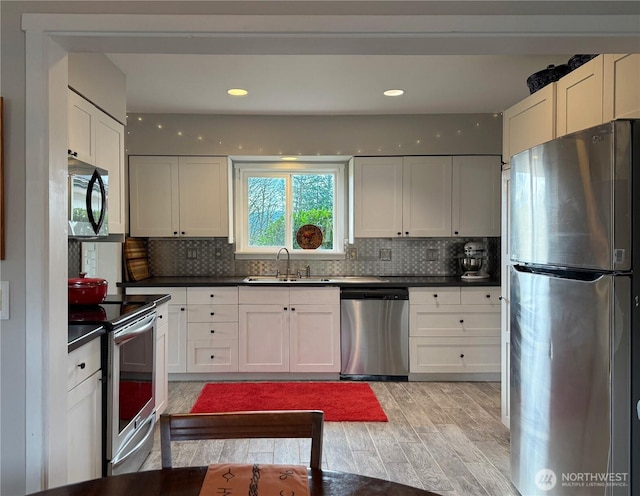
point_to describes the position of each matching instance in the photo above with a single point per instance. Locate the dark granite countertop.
(388, 281)
(81, 334)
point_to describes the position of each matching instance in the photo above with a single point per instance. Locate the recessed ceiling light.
(394, 92)
(237, 92)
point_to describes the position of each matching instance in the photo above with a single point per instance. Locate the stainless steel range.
(129, 401)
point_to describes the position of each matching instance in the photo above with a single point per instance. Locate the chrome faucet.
(278, 262)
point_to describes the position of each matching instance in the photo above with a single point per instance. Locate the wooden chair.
(242, 425)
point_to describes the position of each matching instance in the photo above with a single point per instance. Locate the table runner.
(233, 479)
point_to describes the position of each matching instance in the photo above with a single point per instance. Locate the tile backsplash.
(370, 256)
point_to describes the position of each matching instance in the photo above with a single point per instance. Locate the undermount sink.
(316, 280)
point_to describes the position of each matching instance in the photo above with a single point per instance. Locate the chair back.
(243, 425)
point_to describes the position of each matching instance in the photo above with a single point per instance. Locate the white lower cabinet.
(162, 358)
(289, 329)
(177, 325)
(212, 329)
(454, 330)
(84, 413)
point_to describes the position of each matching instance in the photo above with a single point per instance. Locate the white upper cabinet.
(426, 196)
(81, 128)
(378, 197)
(476, 196)
(97, 139)
(621, 86)
(529, 122)
(580, 97)
(402, 196)
(178, 196)
(109, 155)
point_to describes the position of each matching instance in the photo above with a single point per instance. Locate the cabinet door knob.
(182, 309)
(435, 295)
(293, 309)
(461, 355)
(82, 365)
(399, 233)
(183, 233)
(213, 313)
(406, 233)
(213, 331)
(455, 232)
(500, 298)
(488, 296)
(212, 296)
(175, 233)
(159, 316)
(212, 357)
(285, 308)
(462, 321)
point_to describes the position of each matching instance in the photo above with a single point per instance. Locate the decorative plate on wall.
(309, 237)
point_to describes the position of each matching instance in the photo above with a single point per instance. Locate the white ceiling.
(328, 57)
(327, 84)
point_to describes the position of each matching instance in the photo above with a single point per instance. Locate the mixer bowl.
(471, 264)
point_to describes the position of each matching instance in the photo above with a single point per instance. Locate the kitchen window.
(274, 200)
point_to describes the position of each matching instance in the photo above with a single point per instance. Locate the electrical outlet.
(385, 254)
(4, 300)
(432, 254)
(192, 254)
(353, 253)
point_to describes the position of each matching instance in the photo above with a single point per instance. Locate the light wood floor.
(442, 436)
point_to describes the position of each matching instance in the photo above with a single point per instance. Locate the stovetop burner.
(110, 314)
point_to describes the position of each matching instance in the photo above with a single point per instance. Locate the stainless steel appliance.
(88, 194)
(129, 400)
(374, 329)
(575, 314)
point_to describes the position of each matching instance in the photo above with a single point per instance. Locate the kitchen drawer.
(178, 295)
(481, 296)
(263, 296)
(314, 296)
(426, 323)
(213, 330)
(212, 313)
(212, 355)
(82, 363)
(434, 296)
(454, 355)
(223, 295)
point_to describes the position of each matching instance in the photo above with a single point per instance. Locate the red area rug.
(340, 401)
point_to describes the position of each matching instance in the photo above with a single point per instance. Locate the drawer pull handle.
(213, 313)
(461, 355)
(293, 309)
(213, 331)
(182, 309)
(82, 365)
(285, 308)
(488, 296)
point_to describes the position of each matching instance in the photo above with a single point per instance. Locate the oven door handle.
(135, 329)
(120, 458)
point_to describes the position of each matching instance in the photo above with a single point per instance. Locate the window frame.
(242, 170)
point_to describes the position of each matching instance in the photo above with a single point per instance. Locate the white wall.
(95, 77)
(442, 134)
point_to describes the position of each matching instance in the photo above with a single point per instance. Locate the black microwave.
(88, 200)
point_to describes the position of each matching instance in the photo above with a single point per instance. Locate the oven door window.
(136, 377)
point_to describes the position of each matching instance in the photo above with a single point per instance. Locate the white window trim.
(243, 167)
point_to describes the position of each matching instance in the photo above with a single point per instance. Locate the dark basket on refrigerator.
(577, 60)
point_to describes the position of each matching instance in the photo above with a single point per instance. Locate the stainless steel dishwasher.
(374, 328)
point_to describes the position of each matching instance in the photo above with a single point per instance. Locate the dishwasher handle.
(374, 294)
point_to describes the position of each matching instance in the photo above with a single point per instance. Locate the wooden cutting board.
(136, 259)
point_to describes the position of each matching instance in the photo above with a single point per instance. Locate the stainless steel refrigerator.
(575, 315)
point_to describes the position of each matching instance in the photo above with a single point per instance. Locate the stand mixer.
(473, 261)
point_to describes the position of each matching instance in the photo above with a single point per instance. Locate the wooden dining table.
(187, 481)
